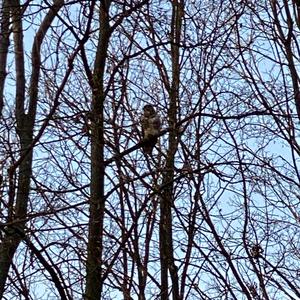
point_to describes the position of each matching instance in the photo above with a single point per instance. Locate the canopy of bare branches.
(212, 211)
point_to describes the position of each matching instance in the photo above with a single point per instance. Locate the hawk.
(151, 127)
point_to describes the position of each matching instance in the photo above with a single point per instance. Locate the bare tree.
(20, 171)
(212, 212)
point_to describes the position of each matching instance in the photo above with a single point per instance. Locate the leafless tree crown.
(212, 212)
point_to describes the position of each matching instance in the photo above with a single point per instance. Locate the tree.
(212, 213)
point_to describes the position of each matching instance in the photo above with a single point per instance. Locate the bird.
(151, 125)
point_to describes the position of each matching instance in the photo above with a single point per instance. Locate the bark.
(4, 44)
(167, 201)
(25, 124)
(11, 240)
(94, 278)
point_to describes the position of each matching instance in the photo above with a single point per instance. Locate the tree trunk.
(167, 200)
(4, 44)
(97, 202)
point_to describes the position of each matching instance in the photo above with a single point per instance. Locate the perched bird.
(151, 125)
